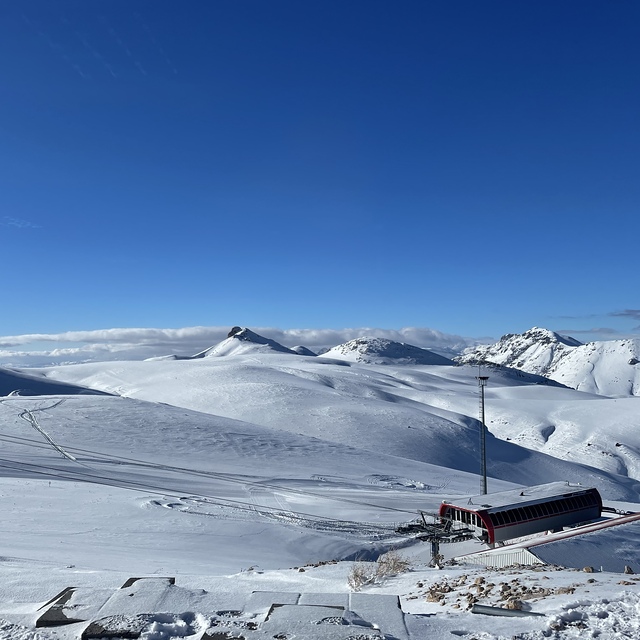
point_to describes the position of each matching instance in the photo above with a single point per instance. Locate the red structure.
(497, 517)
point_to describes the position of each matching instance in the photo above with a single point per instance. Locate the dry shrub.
(361, 573)
(389, 564)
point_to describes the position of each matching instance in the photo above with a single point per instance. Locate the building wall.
(500, 559)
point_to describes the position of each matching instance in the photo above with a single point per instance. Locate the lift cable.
(159, 490)
(233, 478)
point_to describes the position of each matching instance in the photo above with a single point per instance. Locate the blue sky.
(470, 167)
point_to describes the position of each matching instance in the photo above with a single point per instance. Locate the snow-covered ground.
(232, 473)
(424, 413)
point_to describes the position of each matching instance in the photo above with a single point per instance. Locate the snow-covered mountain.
(610, 368)
(303, 351)
(534, 351)
(258, 469)
(240, 340)
(382, 351)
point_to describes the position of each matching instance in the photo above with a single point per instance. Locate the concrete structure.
(142, 602)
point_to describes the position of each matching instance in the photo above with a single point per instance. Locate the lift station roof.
(517, 497)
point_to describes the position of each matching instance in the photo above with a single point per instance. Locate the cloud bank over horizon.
(140, 343)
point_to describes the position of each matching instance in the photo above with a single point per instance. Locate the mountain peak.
(534, 351)
(372, 350)
(241, 340)
(546, 336)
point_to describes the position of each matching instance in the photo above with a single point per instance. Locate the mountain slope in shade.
(24, 384)
(370, 350)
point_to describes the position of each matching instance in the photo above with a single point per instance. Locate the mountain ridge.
(371, 350)
(606, 367)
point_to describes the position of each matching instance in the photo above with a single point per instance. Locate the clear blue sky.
(470, 166)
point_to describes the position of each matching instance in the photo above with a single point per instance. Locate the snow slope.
(610, 368)
(409, 412)
(160, 462)
(233, 472)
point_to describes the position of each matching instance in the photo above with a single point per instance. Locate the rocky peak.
(535, 351)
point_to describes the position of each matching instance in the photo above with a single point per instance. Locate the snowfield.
(251, 469)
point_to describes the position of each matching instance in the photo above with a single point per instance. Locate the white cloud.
(140, 343)
(18, 223)
(143, 336)
(316, 339)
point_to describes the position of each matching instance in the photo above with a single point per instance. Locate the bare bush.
(361, 573)
(389, 564)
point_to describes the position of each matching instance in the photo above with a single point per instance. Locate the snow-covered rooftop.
(526, 495)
